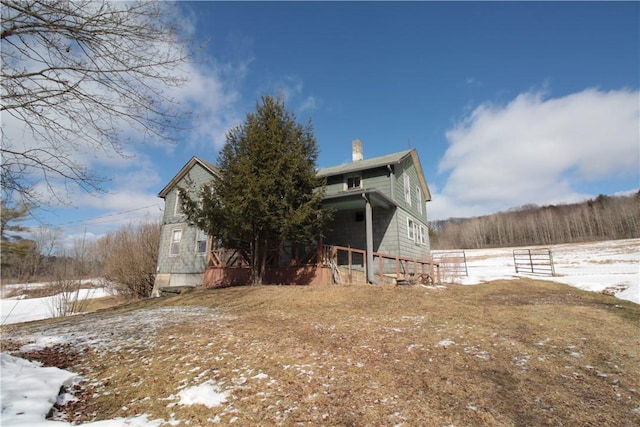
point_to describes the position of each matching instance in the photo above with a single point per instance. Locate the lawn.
(517, 352)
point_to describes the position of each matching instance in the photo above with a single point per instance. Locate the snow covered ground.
(588, 266)
(28, 390)
(20, 309)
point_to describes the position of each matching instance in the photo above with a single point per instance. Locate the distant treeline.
(602, 218)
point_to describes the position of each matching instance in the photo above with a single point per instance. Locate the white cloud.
(212, 95)
(538, 150)
(308, 104)
(291, 89)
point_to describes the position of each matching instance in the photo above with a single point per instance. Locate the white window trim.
(423, 235)
(346, 184)
(172, 242)
(407, 189)
(177, 209)
(201, 233)
(411, 229)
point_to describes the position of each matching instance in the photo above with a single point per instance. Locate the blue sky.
(506, 103)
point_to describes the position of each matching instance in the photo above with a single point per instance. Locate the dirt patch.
(63, 356)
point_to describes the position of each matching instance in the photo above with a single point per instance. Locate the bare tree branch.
(84, 75)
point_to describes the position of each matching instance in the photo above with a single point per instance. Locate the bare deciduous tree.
(83, 76)
(130, 257)
(603, 218)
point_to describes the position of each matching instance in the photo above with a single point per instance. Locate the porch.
(320, 264)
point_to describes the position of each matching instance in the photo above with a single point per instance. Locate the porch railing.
(386, 267)
(347, 264)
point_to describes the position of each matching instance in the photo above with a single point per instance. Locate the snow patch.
(208, 394)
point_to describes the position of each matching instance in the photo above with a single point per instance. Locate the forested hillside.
(602, 218)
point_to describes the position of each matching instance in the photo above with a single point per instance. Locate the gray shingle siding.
(377, 178)
(389, 225)
(188, 265)
(382, 179)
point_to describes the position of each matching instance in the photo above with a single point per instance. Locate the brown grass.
(523, 353)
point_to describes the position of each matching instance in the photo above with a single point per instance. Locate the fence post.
(464, 258)
(530, 260)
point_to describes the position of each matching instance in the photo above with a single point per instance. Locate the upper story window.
(177, 209)
(354, 182)
(407, 189)
(176, 237)
(419, 198)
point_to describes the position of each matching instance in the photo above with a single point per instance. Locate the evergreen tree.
(268, 192)
(13, 247)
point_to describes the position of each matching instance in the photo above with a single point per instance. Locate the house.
(183, 251)
(379, 205)
(379, 222)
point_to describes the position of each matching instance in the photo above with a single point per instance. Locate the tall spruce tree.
(268, 192)
(14, 248)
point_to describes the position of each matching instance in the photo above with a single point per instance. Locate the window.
(201, 243)
(411, 229)
(353, 182)
(177, 210)
(359, 216)
(407, 189)
(176, 236)
(419, 197)
(423, 235)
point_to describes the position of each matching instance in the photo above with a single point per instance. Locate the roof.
(210, 167)
(376, 162)
(354, 199)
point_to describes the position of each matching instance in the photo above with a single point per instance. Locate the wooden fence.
(351, 266)
(534, 261)
(307, 264)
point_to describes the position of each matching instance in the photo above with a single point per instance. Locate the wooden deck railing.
(386, 267)
(347, 264)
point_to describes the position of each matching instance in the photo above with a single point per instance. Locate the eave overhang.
(185, 170)
(356, 199)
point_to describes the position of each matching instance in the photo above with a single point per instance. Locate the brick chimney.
(356, 154)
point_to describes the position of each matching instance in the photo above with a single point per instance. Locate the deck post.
(369, 232)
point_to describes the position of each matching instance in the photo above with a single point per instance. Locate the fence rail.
(534, 261)
(453, 264)
(348, 265)
(386, 268)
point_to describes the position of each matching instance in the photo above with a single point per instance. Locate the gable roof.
(208, 166)
(376, 162)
